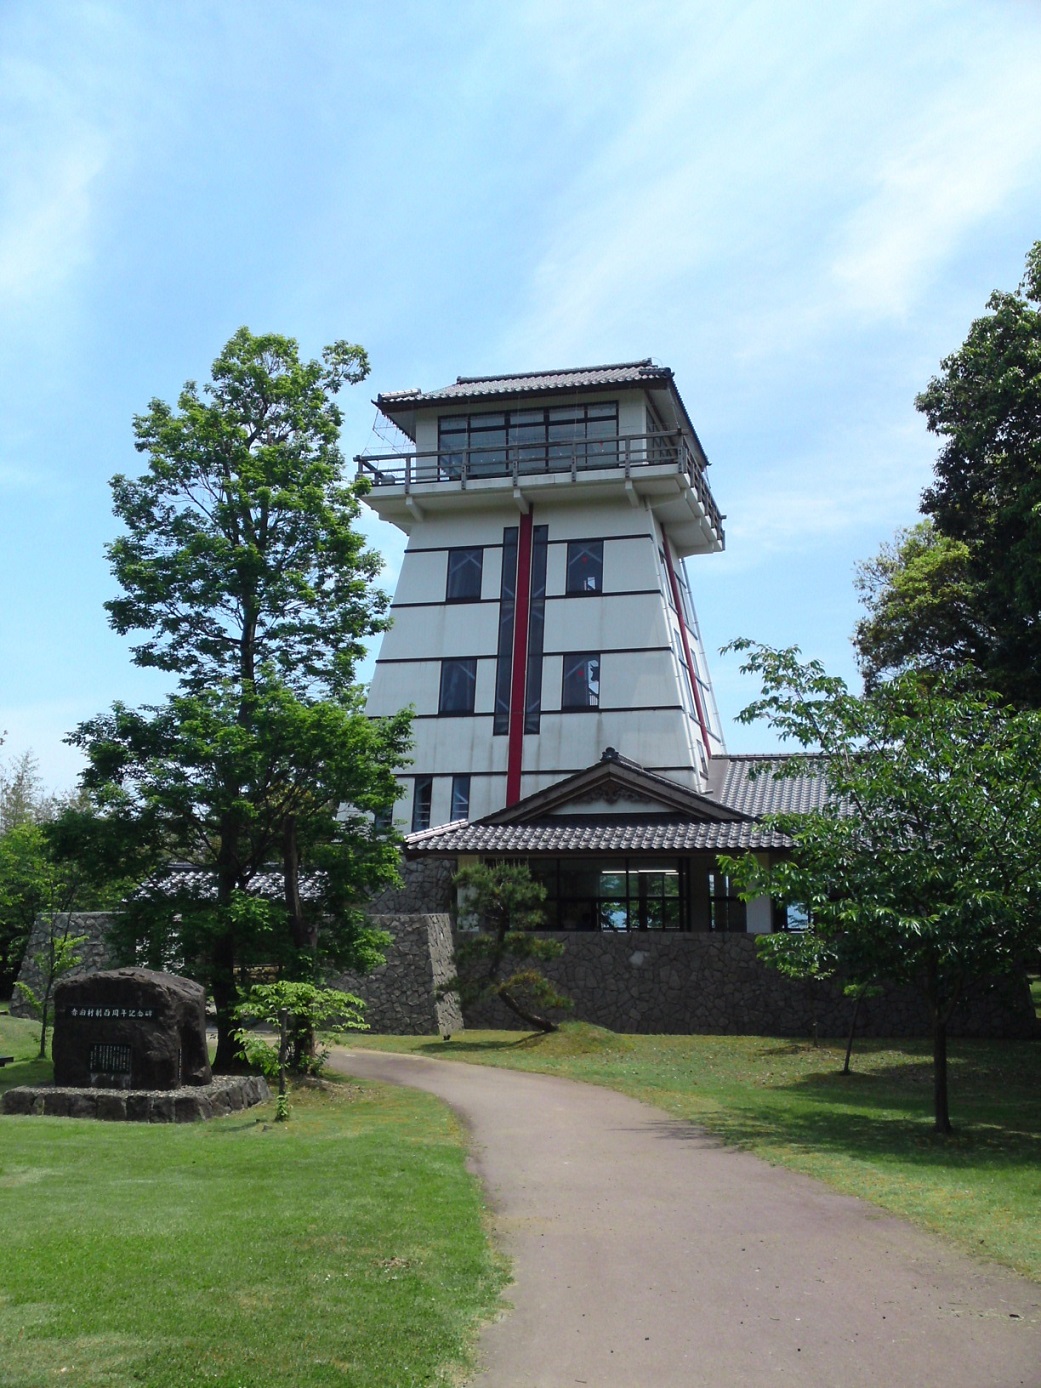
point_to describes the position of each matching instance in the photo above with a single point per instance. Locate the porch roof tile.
(612, 834)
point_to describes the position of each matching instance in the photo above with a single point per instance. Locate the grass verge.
(344, 1247)
(866, 1134)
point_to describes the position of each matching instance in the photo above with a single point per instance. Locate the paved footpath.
(646, 1255)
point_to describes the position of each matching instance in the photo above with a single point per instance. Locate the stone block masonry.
(224, 1095)
(95, 952)
(681, 984)
(403, 996)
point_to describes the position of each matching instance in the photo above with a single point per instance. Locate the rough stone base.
(191, 1104)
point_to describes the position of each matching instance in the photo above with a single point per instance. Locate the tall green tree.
(240, 550)
(924, 864)
(922, 608)
(968, 586)
(23, 797)
(241, 566)
(986, 407)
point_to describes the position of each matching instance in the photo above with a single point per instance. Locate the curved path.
(646, 1255)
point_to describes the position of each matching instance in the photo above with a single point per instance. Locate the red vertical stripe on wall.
(692, 673)
(521, 608)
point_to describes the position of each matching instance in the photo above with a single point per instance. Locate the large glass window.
(534, 439)
(581, 681)
(458, 685)
(464, 575)
(536, 630)
(422, 795)
(585, 566)
(609, 896)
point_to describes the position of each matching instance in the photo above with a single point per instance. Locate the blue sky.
(798, 206)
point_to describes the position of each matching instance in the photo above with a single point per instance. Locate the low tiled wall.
(675, 983)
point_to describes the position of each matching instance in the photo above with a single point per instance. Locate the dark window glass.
(452, 440)
(581, 684)
(422, 795)
(726, 909)
(630, 896)
(458, 683)
(531, 439)
(464, 575)
(791, 915)
(536, 629)
(504, 650)
(585, 566)
(460, 797)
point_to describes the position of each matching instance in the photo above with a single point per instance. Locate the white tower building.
(543, 612)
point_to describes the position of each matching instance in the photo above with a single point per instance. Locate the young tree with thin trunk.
(924, 864)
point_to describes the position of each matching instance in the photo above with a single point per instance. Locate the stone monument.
(130, 1029)
(129, 1045)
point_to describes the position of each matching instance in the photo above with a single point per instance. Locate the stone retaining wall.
(678, 983)
(426, 886)
(402, 997)
(669, 983)
(94, 952)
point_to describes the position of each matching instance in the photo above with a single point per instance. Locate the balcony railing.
(628, 453)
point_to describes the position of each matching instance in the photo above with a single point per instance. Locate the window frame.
(537, 438)
(460, 802)
(454, 669)
(570, 664)
(576, 549)
(422, 802)
(466, 561)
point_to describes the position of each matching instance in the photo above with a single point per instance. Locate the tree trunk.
(939, 1011)
(283, 1060)
(225, 993)
(852, 1032)
(304, 935)
(533, 1019)
(942, 1117)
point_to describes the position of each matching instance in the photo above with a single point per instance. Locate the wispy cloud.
(969, 157)
(18, 478)
(48, 177)
(843, 179)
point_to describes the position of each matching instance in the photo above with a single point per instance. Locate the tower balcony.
(658, 469)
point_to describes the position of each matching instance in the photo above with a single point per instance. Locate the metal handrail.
(522, 460)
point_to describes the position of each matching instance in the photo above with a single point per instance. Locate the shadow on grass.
(875, 1137)
(443, 1049)
(25, 1072)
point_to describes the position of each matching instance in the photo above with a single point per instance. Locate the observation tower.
(543, 611)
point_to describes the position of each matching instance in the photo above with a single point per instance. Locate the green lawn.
(867, 1134)
(344, 1247)
(347, 1246)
